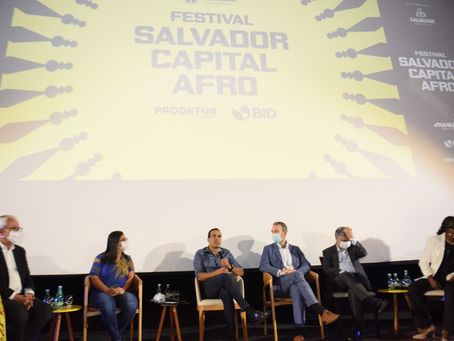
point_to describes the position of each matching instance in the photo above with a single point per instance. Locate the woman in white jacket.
(437, 267)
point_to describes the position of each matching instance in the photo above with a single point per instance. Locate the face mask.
(345, 245)
(123, 245)
(14, 236)
(276, 237)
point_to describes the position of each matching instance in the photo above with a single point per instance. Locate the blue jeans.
(107, 304)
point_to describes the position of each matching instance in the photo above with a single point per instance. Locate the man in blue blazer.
(287, 264)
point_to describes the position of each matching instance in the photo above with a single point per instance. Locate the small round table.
(396, 292)
(174, 324)
(54, 332)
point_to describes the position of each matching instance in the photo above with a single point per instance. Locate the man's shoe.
(329, 317)
(382, 305)
(298, 338)
(259, 316)
(424, 332)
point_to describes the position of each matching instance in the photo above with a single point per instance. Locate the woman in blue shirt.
(111, 275)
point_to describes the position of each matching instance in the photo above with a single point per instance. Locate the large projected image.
(165, 118)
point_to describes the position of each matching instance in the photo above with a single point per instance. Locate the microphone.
(220, 253)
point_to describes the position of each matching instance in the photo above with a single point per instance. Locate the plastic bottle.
(397, 283)
(167, 292)
(47, 299)
(59, 299)
(406, 281)
(390, 281)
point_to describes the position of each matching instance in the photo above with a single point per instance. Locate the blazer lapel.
(295, 258)
(335, 257)
(277, 255)
(3, 267)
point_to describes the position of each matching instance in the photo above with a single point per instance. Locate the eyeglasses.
(14, 228)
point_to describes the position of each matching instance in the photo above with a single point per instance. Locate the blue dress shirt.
(206, 261)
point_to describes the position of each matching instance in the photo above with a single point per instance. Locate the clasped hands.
(26, 300)
(115, 291)
(286, 271)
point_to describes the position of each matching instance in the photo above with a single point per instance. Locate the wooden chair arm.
(311, 276)
(135, 284)
(267, 280)
(87, 285)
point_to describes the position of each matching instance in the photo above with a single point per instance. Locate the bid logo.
(244, 113)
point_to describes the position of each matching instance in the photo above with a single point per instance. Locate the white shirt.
(286, 256)
(15, 282)
(345, 263)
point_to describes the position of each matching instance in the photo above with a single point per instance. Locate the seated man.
(287, 264)
(344, 272)
(215, 267)
(25, 315)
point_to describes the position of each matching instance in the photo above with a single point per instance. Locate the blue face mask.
(276, 237)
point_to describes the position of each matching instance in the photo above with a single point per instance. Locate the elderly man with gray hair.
(25, 315)
(344, 272)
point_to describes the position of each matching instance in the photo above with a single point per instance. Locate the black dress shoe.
(259, 316)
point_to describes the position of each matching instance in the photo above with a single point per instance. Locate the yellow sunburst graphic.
(175, 89)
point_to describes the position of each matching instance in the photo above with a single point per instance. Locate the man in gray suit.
(344, 272)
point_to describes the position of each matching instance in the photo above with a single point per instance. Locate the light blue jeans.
(107, 304)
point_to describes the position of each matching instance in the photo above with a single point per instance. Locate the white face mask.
(123, 245)
(345, 245)
(14, 236)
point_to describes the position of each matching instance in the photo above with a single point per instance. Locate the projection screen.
(165, 118)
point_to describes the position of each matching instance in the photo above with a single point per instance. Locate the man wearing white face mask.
(344, 272)
(25, 315)
(287, 264)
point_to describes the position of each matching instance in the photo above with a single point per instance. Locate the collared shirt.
(286, 255)
(345, 263)
(206, 261)
(15, 282)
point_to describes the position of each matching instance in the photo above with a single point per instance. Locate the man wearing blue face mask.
(344, 272)
(287, 264)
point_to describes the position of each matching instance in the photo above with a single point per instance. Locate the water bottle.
(390, 282)
(59, 299)
(167, 292)
(396, 281)
(158, 289)
(407, 280)
(47, 299)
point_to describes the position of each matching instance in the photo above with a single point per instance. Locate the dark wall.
(184, 282)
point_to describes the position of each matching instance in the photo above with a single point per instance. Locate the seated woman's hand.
(120, 291)
(112, 291)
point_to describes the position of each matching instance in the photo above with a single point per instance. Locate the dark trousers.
(357, 293)
(23, 324)
(421, 315)
(225, 287)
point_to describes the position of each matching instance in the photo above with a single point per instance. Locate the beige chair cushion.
(438, 292)
(344, 294)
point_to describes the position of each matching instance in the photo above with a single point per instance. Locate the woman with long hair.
(437, 267)
(111, 275)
